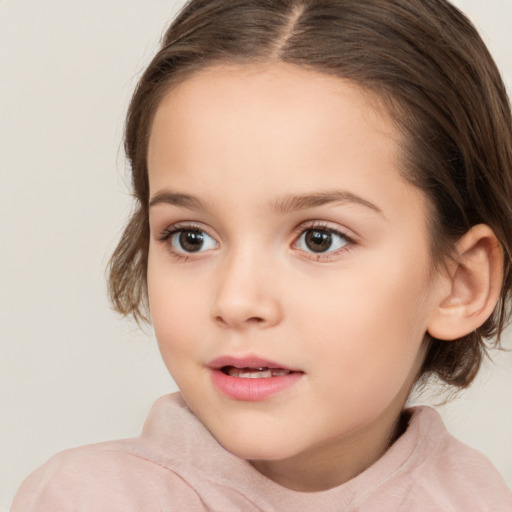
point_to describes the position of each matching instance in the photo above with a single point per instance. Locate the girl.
(323, 221)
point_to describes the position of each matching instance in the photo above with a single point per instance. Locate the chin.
(258, 446)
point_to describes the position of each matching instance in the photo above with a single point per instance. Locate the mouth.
(251, 379)
(254, 373)
(250, 367)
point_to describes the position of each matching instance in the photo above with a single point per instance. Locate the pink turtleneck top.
(177, 466)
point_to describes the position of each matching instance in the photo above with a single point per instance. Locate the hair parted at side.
(427, 64)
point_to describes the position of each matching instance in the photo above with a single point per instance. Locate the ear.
(472, 287)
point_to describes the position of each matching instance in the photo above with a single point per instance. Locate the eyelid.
(329, 227)
(184, 226)
(166, 235)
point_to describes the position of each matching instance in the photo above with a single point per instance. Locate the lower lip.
(252, 390)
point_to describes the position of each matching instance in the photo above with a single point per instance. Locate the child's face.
(283, 235)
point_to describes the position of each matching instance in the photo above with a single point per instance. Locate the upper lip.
(246, 362)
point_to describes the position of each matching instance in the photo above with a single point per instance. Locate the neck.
(338, 461)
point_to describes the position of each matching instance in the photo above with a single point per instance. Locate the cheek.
(176, 321)
(369, 323)
(175, 309)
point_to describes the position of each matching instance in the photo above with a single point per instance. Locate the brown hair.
(424, 59)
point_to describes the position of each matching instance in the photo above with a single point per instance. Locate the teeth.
(256, 373)
(276, 372)
(247, 373)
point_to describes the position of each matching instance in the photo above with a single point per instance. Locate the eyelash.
(167, 234)
(323, 227)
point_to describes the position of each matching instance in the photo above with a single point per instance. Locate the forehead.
(266, 90)
(276, 124)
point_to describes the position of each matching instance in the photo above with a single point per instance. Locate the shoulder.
(175, 465)
(452, 474)
(103, 478)
(114, 476)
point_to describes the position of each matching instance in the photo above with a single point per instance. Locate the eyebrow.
(303, 202)
(286, 204)
(177, 199)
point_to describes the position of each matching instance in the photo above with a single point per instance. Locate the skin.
(243, 142)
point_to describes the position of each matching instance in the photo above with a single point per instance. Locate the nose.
(246, 293)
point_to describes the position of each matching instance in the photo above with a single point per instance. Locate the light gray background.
(71, 372)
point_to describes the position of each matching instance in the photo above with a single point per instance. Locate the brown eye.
(318, 240)
(192, 240)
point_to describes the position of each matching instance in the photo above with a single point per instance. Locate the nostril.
(220, 320)
(250, 320)
(255, 320)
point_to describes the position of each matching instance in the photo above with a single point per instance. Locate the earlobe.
(475, 274)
